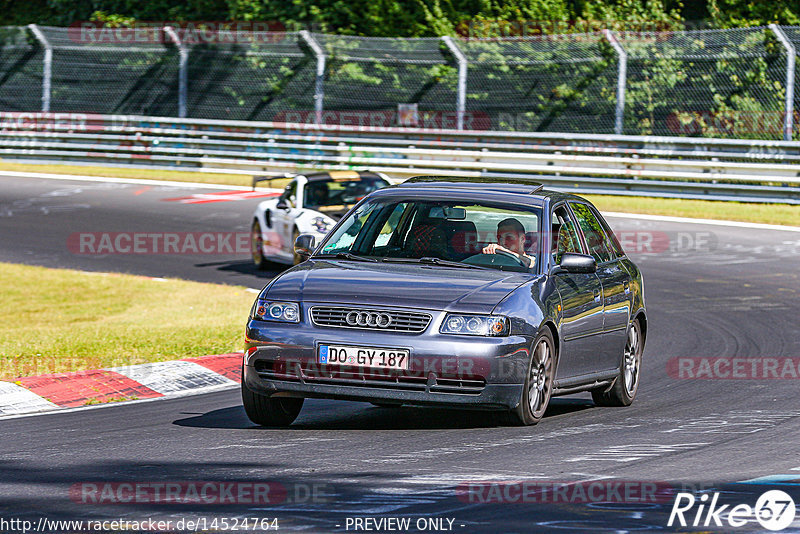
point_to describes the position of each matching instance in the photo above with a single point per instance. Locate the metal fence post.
(183, 66)
(791, 53)
(319, 87)
(47, 70)
(622, 75)
(461, 96)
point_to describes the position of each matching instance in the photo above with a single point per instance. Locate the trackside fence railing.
(678, 167)
(734, 83)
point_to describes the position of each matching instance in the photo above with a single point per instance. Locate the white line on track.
(713, 222)
(187, 393)
(139, 181)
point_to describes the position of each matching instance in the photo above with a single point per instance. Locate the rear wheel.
(257, 246)
(267, 411)
(538, 382)
(624, 389)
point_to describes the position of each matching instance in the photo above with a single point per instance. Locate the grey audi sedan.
(451, 292)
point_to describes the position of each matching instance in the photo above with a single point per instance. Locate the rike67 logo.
(774, 510)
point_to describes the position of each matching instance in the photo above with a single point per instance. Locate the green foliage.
(413, 18)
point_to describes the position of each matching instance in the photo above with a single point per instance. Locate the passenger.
(510, 239)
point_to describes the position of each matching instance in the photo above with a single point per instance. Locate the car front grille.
(350, 376)
(370, 319)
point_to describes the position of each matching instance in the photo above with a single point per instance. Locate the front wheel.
(538, 382)
(626, 384)
(257, 246)
(266, 411)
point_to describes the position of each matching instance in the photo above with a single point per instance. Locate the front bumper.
(447, 370)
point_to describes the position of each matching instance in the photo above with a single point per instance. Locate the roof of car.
(340, 175)
(516, 184)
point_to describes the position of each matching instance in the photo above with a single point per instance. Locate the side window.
(564, 234)
(289, 194)
(615, 244)
(600, 246)
(391, 224)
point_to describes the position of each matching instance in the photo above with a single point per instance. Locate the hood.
(411, 286)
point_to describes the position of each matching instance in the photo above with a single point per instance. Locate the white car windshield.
(470, 233)
(322, 194)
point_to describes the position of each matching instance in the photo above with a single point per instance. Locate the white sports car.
(310, 204)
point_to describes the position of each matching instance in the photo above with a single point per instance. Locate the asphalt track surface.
(716, 291)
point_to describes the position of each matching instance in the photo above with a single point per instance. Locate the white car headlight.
(286, 312)
(475, 325)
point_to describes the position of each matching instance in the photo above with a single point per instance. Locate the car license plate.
(381, 358)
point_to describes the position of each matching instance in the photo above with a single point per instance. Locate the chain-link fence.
(719, 83)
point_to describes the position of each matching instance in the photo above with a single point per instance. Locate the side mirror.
(304, 245)
(576, 263)
(282, 205)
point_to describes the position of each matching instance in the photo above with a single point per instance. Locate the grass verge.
(59, 320)
(703, 209)
(140, 174)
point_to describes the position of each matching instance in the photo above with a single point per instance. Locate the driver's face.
(511, 239)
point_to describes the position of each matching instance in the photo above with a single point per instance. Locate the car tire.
(295, 257)
(625, 386)
(257, 246)
(266, 411)
(539, 380)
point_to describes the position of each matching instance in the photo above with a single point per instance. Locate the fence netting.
(367, 78)
(261, 76)
(20, 71)
(719, 83)
(716, 83)
(112, 75)
(562, 83)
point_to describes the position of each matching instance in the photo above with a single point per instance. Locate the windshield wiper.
(429, 260)
(347, 256)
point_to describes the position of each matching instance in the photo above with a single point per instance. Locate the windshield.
(338, 194)
(472, 234)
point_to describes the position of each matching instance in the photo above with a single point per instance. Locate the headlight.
(475, 325)
(321, 224)
(287, 312)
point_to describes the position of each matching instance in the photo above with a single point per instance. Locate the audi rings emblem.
(368, 319)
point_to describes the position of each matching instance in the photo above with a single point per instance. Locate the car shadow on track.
(339, 415)
(245, 267)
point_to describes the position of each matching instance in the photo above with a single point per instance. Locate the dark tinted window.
(600, 246)
(564, 234)
(338, 194)
(617, 247)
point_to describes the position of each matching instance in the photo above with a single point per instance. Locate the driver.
(319, 195)
(510, 239)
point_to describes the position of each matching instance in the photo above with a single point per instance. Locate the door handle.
(597, 296)
(627, 288)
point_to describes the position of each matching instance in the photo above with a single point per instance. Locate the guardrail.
(679, 167)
